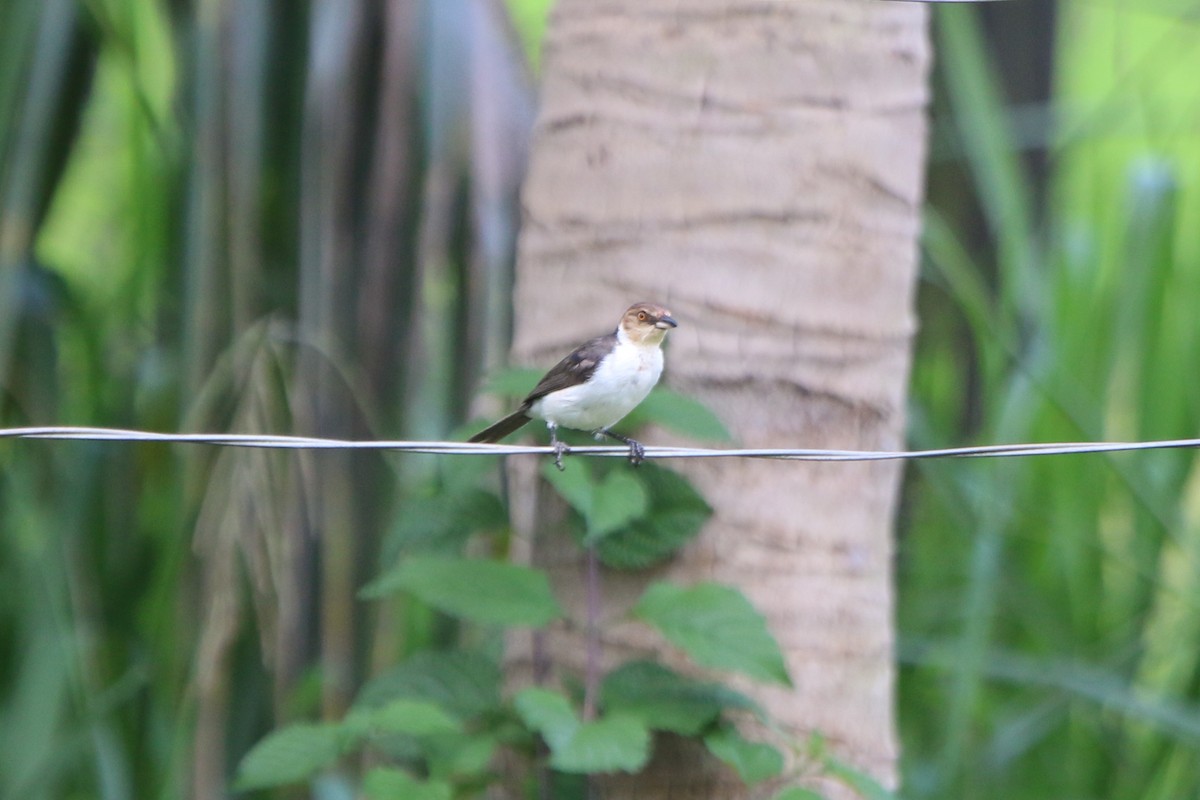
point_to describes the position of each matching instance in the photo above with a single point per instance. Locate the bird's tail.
(499, 430)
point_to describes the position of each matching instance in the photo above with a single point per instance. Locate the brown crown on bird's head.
(647, 322)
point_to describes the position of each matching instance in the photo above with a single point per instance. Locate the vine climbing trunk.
(757, 167)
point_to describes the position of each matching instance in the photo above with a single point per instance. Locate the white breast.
(620, 382)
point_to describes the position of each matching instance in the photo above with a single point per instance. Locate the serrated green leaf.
(754, 761)
(620, 499)
(798, 793)
(575, 485)
(462, 682)
(665, 700)
(478, 590)
(717, 627)
(614, 743)
(681, 414)
(413, 717)
(675, 515)
(289, 755)
(549, 713)
(384, 783)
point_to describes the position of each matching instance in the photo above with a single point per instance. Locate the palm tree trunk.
(758, 168)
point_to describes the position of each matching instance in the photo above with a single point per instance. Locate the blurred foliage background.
(300, 216)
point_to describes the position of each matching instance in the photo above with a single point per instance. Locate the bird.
(597, 383)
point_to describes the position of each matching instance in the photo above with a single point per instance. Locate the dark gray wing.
(578, 367)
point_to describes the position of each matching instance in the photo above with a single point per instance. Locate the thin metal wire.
(470, 448)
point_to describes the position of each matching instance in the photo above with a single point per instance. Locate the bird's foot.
(637, 453)
(560, 448)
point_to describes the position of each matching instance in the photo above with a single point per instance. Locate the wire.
(470, 448)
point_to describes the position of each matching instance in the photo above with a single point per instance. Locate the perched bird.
(595, 386)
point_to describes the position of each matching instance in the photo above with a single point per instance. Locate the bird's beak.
(665, 322)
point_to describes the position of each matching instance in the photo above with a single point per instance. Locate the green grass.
(1047, 606)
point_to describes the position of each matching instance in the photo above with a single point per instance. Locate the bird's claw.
(560, 448)
(637, 453)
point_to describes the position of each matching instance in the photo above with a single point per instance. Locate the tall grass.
(1048, 609)
(227, 216)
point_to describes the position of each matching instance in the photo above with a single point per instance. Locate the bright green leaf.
(384, 783)
(413, 717)
(575, 485)
(614, 743)
(754, 761)
(618, 500)
(289, 755)
(460, 754)
(549, 713)
(681, 414)
(717, 627)
(665, 700)
(798, 793)
(478, 590)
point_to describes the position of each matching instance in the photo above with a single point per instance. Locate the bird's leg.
(637, 453)
(559, 447)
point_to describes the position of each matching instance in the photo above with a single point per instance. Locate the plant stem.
(592, 669)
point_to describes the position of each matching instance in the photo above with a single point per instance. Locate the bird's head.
(646, 323)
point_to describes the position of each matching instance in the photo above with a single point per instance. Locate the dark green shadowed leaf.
(290, 755)
(463, 682)
(717, 627)
(481, 591)
(676, 513)
(667, 701)
(753, 761)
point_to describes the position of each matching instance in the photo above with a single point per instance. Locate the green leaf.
(754, 761)
(862, 783)
(514, 381)
(717, 627)
(413, 717)
(614, 743)
(575, 485)
(681, 414)
(384, 783)
(665, 700)
(289, 755)
(460, 755)
(675, 515)
(478, 590)
(462, 682)
(798, 793)
(549, 713)
(446, 518)
(618, 500)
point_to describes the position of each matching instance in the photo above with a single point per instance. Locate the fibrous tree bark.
(757, 166)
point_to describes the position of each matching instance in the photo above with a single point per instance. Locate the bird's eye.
(641, 316)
